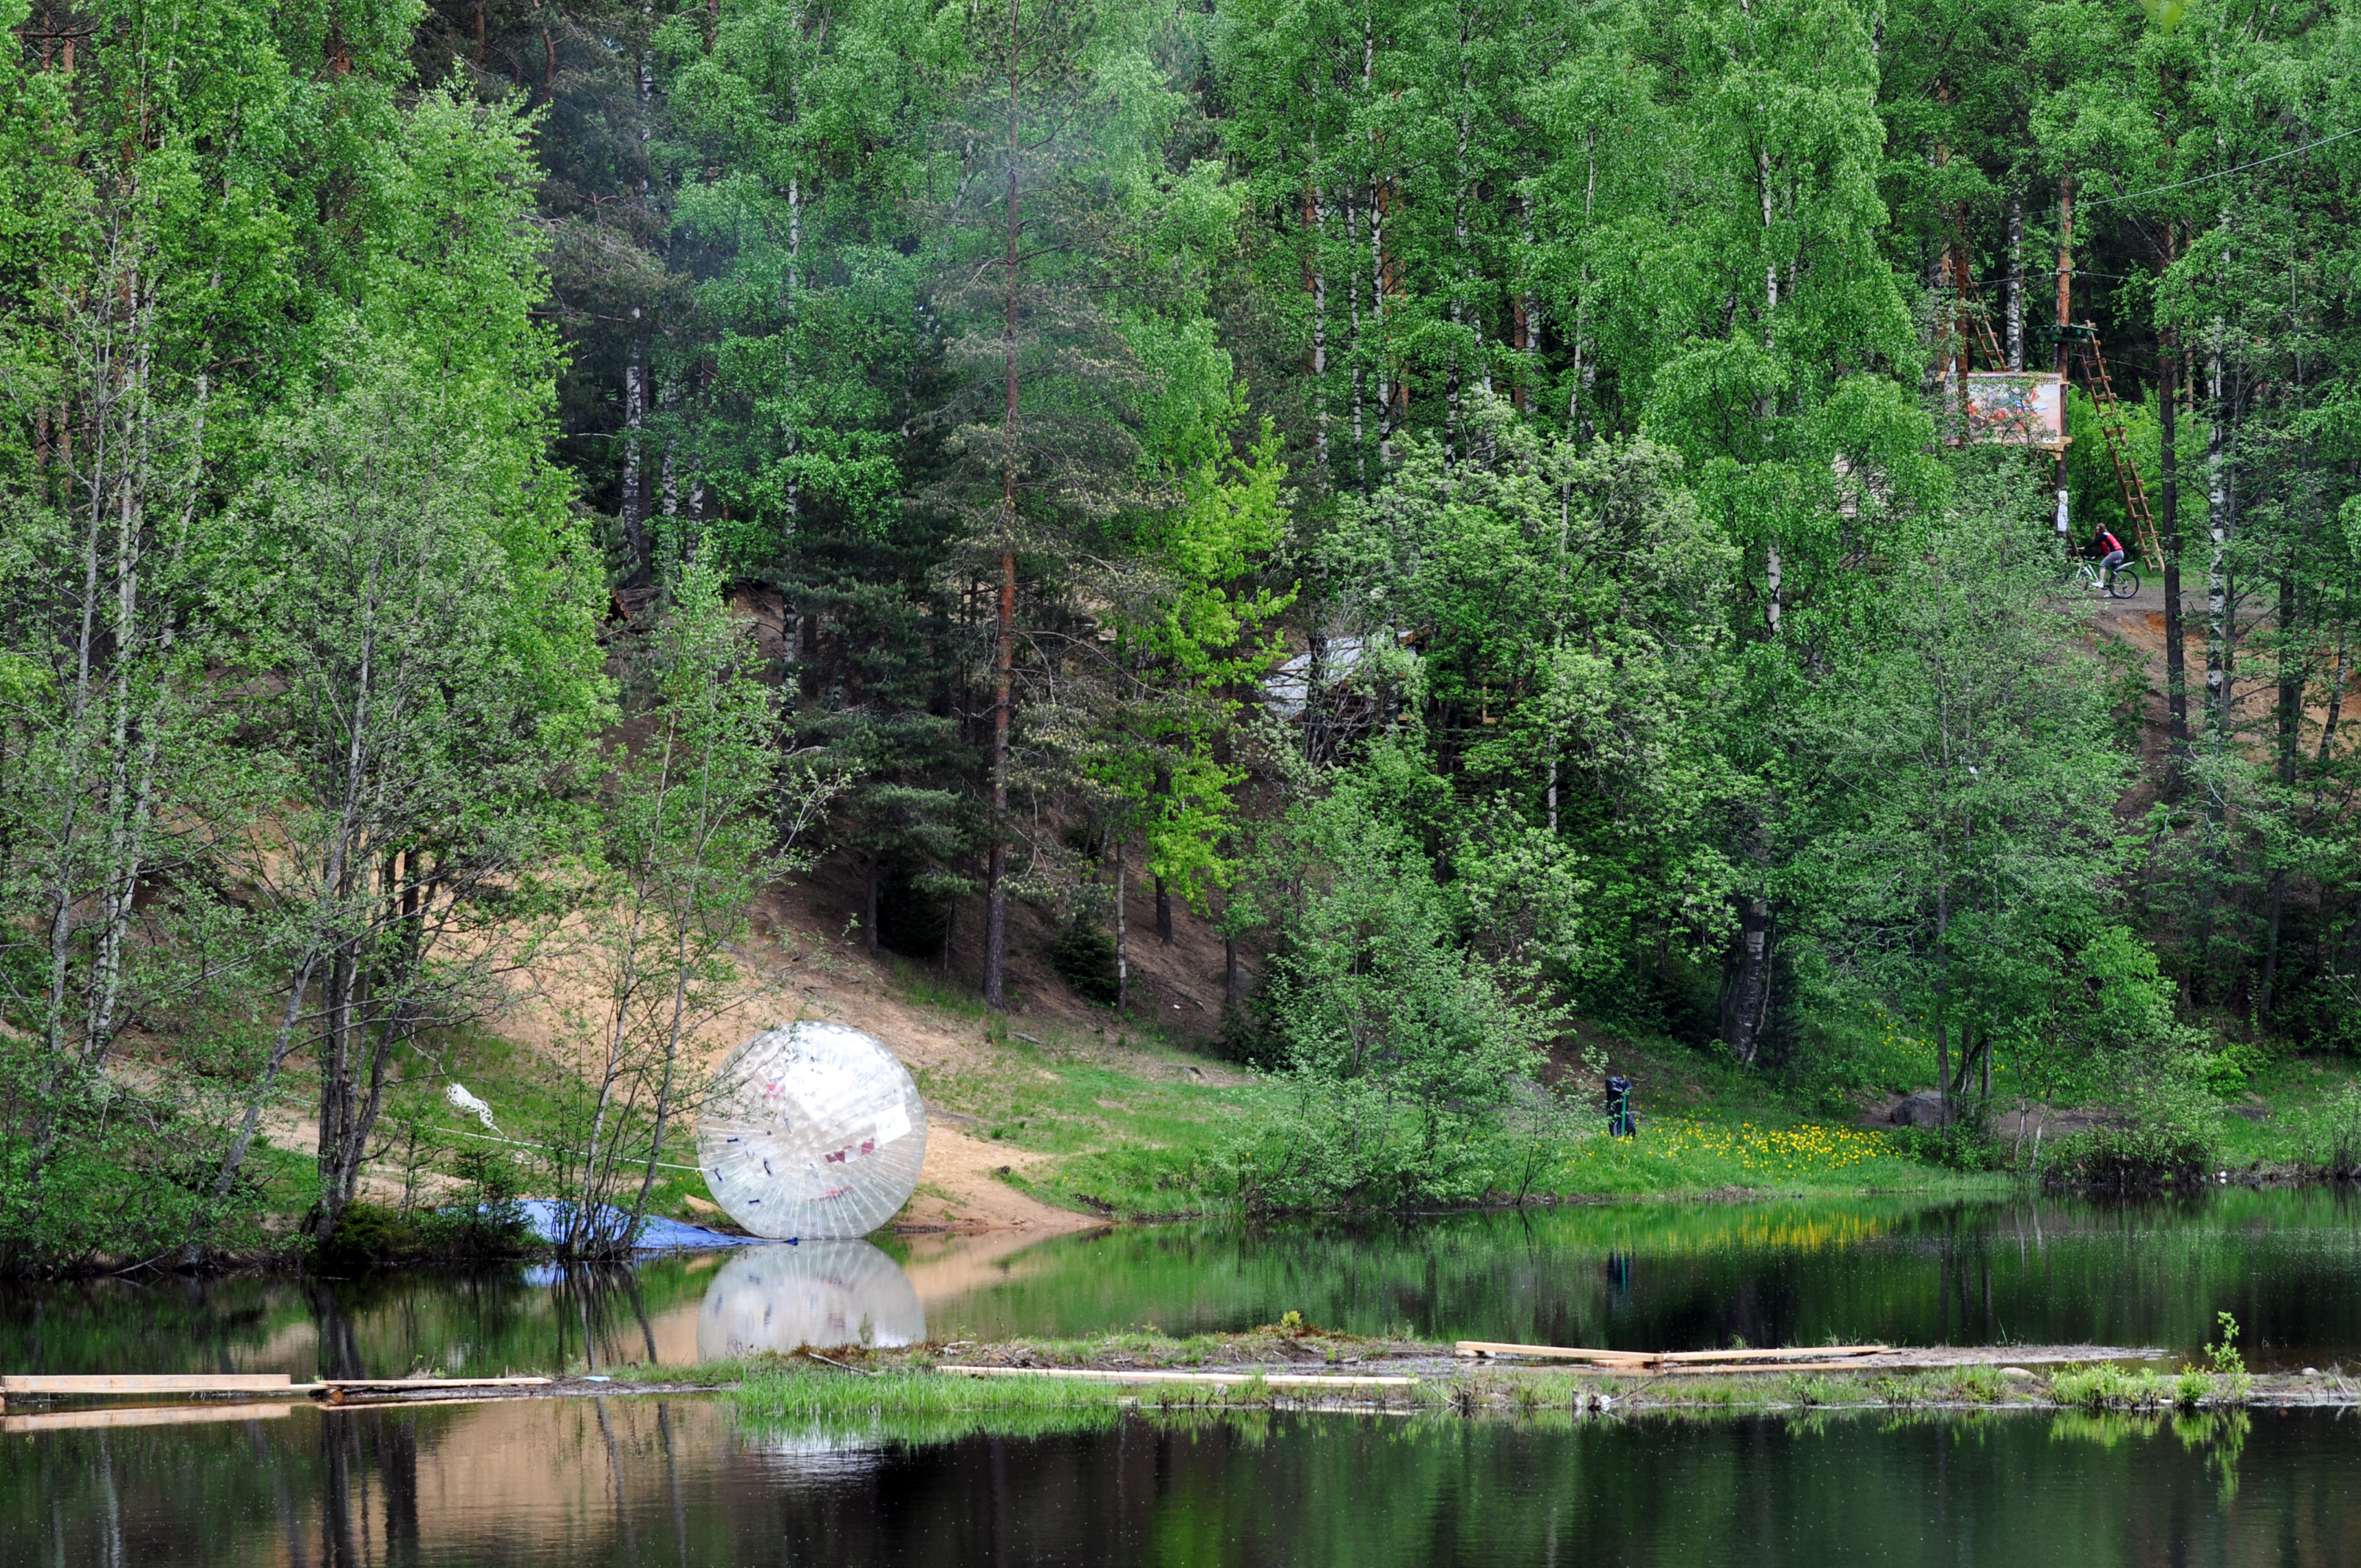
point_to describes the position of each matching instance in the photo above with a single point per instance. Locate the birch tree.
(114, 778)
(699, 814)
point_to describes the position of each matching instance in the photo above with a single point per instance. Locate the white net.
(817, 1294)
(812, 1131)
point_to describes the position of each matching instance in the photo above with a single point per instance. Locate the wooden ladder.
(2102, 388)
(1969, 298)
(1978, 315)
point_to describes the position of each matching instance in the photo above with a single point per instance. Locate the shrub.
(1401, 1041)
(2228, 1069)
(368, 1234)
(1956, 1148)
(2167, 1133)
(488, 1222)
(2328, 1136)
(1083, 956)
(2232, 1382)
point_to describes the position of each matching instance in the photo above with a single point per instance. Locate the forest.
(1470, 498)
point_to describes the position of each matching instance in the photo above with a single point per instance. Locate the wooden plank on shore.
(398, 1384)
(1207, 1379)
(142, 1416)
(1653, 1358)
(1767, 1367)
(1553, 1351)
(1799, 1352)
(147, 1383)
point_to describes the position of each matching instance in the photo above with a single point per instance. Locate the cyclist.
(2110, 551)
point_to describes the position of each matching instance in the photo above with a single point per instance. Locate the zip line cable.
(2219, 173)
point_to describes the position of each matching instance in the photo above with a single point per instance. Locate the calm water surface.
(684, 1480)
(688, 1481)
(1652, 1277)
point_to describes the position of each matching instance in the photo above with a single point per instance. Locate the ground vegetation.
(1473, 507)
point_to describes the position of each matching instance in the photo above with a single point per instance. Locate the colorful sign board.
(2013, 408)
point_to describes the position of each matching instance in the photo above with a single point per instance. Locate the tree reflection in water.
(683, 1482)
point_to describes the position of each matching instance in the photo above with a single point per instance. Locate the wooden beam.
(1555, 1352)
(147, 1383)
(400, 1383)
(1638, 1359)
(1806, 1353)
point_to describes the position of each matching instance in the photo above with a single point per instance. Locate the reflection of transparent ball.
(812, 1130)
(818, 1294)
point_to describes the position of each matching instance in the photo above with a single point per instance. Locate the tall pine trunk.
(1004, 663)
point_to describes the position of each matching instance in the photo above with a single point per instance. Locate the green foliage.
(1956, 844)
(2226, 1367)
(2165, 1131)
(2328, 1134)
(1398, 1042)
(2108, 1386)
(1452, 494)
(1083, 956)
(2229, 1069)
(697, 815)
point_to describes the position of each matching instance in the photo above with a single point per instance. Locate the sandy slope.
(807, 960)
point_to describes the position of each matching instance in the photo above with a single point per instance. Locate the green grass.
(2304, 1098)
(1089, 1129)
(1113, 1122)
(2113, 1389)
(1697, 1154)
(921, 1406)
(899, 1396)
(1127, 1129)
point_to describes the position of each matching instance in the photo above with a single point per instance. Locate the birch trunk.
(2219, 527)
(1315, 213)
(635, 537)
(2015, 346)
(1354, 353)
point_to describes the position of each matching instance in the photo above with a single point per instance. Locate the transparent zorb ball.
(818, 1294)
(812, 1131)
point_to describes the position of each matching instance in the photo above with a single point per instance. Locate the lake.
(690, 1480)
(1641, 1277)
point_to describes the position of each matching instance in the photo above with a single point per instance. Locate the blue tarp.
(547, 1219)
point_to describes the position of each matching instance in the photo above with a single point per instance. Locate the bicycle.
(2124, 584)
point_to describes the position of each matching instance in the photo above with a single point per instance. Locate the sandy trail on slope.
(790, 976)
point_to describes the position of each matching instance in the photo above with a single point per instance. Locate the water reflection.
(682, 1481)
(818, 1293)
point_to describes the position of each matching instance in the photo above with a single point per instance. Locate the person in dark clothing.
(2110, 551)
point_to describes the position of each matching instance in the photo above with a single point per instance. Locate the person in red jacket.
(2111, 553)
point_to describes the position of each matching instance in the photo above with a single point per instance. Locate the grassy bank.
(1116, 1121)
(1133, 1128)
(1126, 1130)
